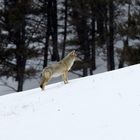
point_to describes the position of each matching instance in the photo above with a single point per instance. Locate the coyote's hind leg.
(44, 82)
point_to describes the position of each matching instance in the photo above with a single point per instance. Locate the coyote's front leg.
(65, 77)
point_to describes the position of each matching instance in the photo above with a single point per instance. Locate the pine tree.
(15, 47)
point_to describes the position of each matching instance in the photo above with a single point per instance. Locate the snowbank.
(101, 107)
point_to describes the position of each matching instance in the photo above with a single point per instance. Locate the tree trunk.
(47, 15)
(21, 54)
(93, 52)
(100, 6)
(55, 55)
(21, 62)
(65, 28)
(110, 46)
(86, 47)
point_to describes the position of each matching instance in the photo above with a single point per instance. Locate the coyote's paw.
(42, 88)
(66, 82)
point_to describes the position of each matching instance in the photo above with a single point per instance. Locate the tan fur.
(60, 68)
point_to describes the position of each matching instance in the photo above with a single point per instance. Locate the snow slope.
(101, 107)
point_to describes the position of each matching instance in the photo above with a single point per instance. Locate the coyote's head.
(74, 55)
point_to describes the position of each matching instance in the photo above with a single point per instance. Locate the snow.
(100, 107)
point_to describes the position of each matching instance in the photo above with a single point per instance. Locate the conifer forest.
(36, 33)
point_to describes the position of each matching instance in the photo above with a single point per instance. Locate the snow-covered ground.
(101, 107)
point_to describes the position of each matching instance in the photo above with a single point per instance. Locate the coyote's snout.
(60, 68)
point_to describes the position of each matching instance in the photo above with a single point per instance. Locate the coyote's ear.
(73, 52)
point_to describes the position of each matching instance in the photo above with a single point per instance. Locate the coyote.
(60, 68)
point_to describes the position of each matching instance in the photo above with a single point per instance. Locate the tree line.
(45, 30)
